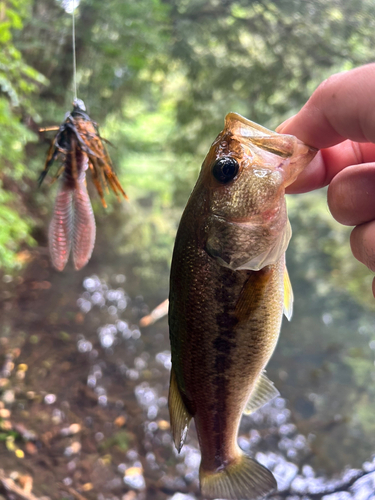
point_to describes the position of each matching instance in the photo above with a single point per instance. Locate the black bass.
(228, 289)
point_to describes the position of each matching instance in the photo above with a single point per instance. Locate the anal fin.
(263, 392)
(179, 415)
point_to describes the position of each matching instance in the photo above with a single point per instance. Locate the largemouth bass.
(228, 289)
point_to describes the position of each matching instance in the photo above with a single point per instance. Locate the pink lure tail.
(72, 225)
(60, 229)
(84, 229)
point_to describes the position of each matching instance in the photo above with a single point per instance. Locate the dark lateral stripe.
(225, 320)
(228, 279)
(223, 295)
(222, 362)
(219, 415)
(222, 345)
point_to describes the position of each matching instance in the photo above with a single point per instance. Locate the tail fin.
(243, 478)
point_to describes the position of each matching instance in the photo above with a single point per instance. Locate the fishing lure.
(80, 147)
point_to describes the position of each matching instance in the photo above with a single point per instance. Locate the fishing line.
(74, 53)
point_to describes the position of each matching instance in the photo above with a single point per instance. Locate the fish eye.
(225, 169)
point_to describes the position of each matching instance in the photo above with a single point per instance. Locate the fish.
(229, 288)
(80, 147)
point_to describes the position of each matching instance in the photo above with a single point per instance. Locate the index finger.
(341, 108)
(329, 162)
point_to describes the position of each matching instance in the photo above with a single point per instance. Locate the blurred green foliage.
(18, 81)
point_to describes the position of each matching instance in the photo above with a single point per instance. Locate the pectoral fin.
(288, 296)
(263, 392)
(253, 293)
(179, 415)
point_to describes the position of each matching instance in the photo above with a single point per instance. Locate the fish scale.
(228, 289)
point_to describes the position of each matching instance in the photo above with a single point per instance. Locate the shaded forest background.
(159, 77)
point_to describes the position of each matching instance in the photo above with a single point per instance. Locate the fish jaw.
(282, 145)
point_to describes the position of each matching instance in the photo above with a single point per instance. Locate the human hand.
(339, 119)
